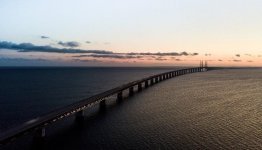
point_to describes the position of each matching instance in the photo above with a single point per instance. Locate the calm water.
(212, 110)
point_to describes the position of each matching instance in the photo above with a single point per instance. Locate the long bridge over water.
(39, 125)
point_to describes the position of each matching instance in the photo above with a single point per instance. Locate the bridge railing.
(77, 108)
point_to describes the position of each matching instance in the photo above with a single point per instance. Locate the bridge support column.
(120, 96)
(146, 83)
(139, 87)
(156, 79)
(40, 133)
(102, 104)
(161, 77)
(131, 91)
(151, 81)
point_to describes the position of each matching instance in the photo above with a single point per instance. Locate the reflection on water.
(212, 110)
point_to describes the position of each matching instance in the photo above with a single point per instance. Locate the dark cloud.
(237, 55)
(44, 37)
(207, 54)
(259, 55)
(6, 61)
(249, 61)
(114, 56)
(248, 55)
(176, 59)
(69, 44)
(156, 56)
(220, 60)
(160, 59)
(88, 42)
(237, 60)
(165, 54)
(21, 59)
(85, 60)
(29, 47)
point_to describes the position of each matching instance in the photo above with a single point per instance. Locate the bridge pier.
(120, 96)
(40, 133)
(146, 83)
(102, 104)
(156, 79)
(151, 81)
(161, 77)
(131, 91)
(139, 87)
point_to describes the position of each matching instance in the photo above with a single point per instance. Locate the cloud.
(88, 42)
(44, 37)
(156, 56)
(21, 59)
(160, 59)
(114, 56)
(69, 44)
(249, 61)
(207, 54)
(237, 60)
(29, 47)
(220, 60)
(237, 55)
(165, 54)
(177, 59)
(248, 55)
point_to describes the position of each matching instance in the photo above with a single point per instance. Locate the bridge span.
(39, 124)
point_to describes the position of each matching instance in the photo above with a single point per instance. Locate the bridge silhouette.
(38, 125)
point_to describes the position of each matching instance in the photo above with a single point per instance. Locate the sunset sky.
(130, 32)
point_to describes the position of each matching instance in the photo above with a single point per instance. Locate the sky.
(130, 32)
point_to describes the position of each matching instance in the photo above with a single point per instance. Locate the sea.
(217, 109)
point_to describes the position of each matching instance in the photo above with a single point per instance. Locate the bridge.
(38, 125)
